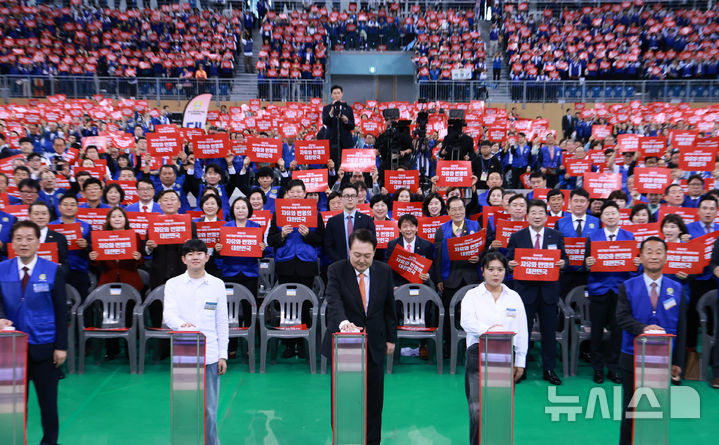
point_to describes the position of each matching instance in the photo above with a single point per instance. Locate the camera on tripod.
(420, 131)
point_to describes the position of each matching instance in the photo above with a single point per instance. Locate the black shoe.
(586, 357)
(301, 353)
(289, 352)
(598, 376)
(614, 377)
(551, 377)
(524, 376)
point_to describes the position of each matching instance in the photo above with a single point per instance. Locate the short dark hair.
(25, 224)
(90, 181)
(21, 168)
(165, 192)
(638, 207)
(492, 256)
(41, 204)
(207, 198)
(669, 187)
(296, 183)
(554, 192)
(364, 236)
(377, 198)
(453, 199)
(673, 218)
(348, 185)
(336, 87)
(172, 167)
(29, 182)
(407, 217)
(193, 245)
(652, 239)
(332, 196)
(517, 196)
(144, 181)
(608, 204)
(113, 186)
(429, 198)
(265, 172)
(695, 176)
(257, 190)
(214, 167)
(537, 174)
(33, 155)
(231, 216)
(706, 197)
(68, 196)
(536, 203)
(578, 192)
(618, 194)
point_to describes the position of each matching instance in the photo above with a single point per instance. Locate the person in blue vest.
(49, 191)
(146, 193)
(213, 178)
(695, 190)
(167, 179)
(449, 275)
(296, 254)
(92, 191)
(602, 289)
(549, 160)
(6, 222)
(78, 261)
(577, 224)
(704, 282)
(32, 300)
(648, 302)
(521, 155)
(265, 178)
(241, 270)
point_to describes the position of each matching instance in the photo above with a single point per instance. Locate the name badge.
(210, 306)
(483, 176)
(669, 303)
(511, 312)
(41, 287)
(551, 246)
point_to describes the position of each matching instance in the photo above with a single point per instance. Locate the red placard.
(46, 251)
(161, 144)
(358, 160)
(264, 149)
(329, 214)
(537, 264)
(114, 244)
(643, 231)
(687, 214)
(683, 139)
(169, 229)
(385, 232)
(209, 146)
(428, 226)
(505, 229)
(600, 185)
(296, 212)
(488, 212)
(312, 152)
(652, 180)
(652, 146)
(130, 189)
(72, 232)
(139, 222)
(98, 141)
(364, 207)
(261, 217)
(241, 241)
(601, 131)
(700, 159)
(575, 248)
(315, 180)
(397, 179)
(408, 265)
(95, 217)
(577, 167)
(403, 208)
(96, 171)
(707, 244)
(684, 257)
(454, 173)
(464, 247)
(614, 256)
(209, 232)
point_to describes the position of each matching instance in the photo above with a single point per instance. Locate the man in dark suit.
(40, 213)
(360, 296)
(540, 297)
(410, 242)
(32, 298)
(568, 124)
(340, 227)
(339, 119)
(146, 192)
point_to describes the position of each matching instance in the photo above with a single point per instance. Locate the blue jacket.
(599, 283)
(667, 313)
(446, 264)
(696, 229)
(295, 245)
(566, 227)
(521, 156)
(271, 195)
(135, 207)
(545, 160)
(6, 222)
(232, 265)
(35, 312)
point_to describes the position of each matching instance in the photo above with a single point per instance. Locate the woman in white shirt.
(491, 306)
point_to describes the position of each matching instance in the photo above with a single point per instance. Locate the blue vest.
(232, 265)
(271, 195)
(78, 259)
(641, 305)
(696, 229)
(599, 283)
(34, 311)
(295, 246)
(565, 225)
(472, 227)
(223, 198)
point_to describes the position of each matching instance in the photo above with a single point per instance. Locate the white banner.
(196, 111)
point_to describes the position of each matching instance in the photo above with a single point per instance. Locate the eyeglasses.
(349, 196)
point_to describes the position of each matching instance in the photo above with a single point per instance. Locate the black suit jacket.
(344, 302)
(530, 290)
(567, 125)
(167, 262)
(61, 241)
(421, 247)
(459, 271)
(345, 130)
(335, 244)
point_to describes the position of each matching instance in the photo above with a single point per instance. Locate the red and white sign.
(505, 229)
(614, 256)
(643, 231)
(601, 131)
(47, 251)
(241, 241)
(139, 222)
(577, 167)
(687, 214)
(652, 180)
(261, 217)
(209, 232)
(160, 145)
(397, 179)
(315, 180)
(464, 247)
(296, 212)
(95, 217)
(707, 243)
(409, 265)
(264, 149)
(537, 264)
(209, 146)
(312, 152)
(652, 146)
(358, 160)
(702, 159)
(329, 214)
(403, 208)
(428, 226)
(600, 185)
(72, 233)
(114, 244)
(130, 189)
(575, 248)
(454, 173)
(684, 257)
(385, 231)
(169, 229)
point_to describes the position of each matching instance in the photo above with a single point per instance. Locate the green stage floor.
(288, 405)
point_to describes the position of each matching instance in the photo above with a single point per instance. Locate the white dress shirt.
(607, 233)
(30, 267)
(480, 311)
(201, 302)
(343, 323)
(533, 234)
(648, 283)
(409, 246)
(43, 234)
